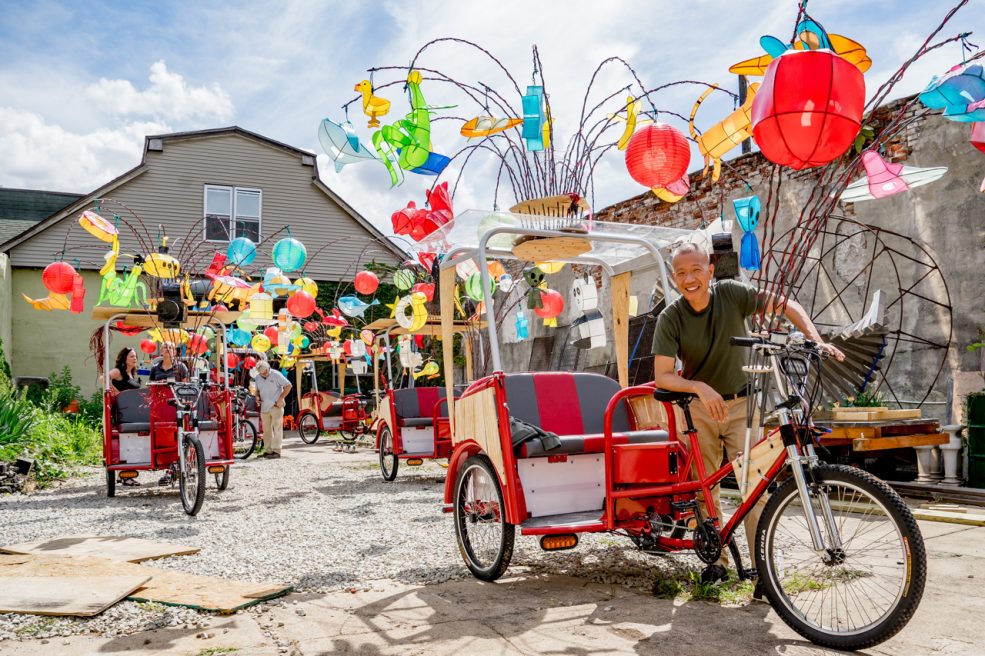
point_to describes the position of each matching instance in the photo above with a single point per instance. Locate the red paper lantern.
(220, 308)
(808, 110)
(249, 362)
(978, 136)
(198, 345)
(366, 282)
(657, 155)
(425, 288)
(301, 304)
(552, 304)
(148, 346)
(347, 347)
(58, 277)
(232, 360)
(271, 333)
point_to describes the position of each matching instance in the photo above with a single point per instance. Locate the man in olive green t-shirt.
(696, 328)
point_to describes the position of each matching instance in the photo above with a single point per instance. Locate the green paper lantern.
(473, 287)
(404, 279)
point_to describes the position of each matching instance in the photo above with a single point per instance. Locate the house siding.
(170, 193)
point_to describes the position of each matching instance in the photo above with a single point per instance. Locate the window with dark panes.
(232, 212)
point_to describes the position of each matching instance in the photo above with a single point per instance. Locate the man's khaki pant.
(713, 436)
(273, 429)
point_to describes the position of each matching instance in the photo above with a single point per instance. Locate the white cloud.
(168, 95)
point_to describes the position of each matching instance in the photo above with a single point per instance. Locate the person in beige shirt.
(271, 390)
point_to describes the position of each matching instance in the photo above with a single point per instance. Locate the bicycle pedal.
(684, 505)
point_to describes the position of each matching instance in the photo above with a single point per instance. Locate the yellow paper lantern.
(550, 267)
(307, 285)
(162, 265)
(262, 308)
(260, 343)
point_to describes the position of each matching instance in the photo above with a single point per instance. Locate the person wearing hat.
(271, 390)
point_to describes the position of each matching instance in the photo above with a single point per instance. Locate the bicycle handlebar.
(748, 342)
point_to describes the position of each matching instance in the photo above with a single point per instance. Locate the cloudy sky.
(83, 82)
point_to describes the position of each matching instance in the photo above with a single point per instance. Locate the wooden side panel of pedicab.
(762, 457)
(648, 413)
(477, 418)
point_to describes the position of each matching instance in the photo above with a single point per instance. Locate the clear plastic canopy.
(616, 246)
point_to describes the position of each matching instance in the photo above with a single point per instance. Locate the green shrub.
(17, 417)
(62, 390)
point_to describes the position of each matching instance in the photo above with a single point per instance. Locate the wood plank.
(446, 299)
(899, 442)
(910, 429)
(82, 596)
(889, 415)
(620, 323)
(123, 549)
(164, 586)
(850, 433)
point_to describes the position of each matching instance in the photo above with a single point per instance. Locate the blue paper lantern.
(289, 254)
(522, 326)
(747, 212)
(533, 117)
(238, 337)
(241, 251)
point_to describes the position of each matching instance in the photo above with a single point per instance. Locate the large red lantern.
(198, 345)
(58, 277)
(978, 136)
(657, 155)
(270, 332)
(301, 304)
(249, 362)
(552, 304)
(232, 360)
(366, 282)
(148, 346)
(808, 110)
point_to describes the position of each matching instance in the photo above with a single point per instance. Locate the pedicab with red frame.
(411, 423)
(321, 411)
(559, 454)
(183, 428)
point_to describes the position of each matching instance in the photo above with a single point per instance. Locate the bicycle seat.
(671, 397)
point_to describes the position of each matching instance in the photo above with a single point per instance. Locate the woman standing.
(123, 376)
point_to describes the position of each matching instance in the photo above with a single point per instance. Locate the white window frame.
(232, 211)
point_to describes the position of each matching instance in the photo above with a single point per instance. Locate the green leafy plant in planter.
(63, 393)
(863, 399)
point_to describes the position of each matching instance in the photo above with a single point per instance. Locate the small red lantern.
(347, 347)
(220, 308)
(978, 136)
(270, 332)
(425, 288)
(249, 362)
(148, 346)
(552, 304)
(232, 360)
(301, 304)
(198, 345)
(657, 155)
(58, 277)
(366, 282)
(808, 110)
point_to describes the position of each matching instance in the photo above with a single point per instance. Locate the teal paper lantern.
(238, 337)
(241, 252)
(289, 254)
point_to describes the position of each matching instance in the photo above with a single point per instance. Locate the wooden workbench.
(880, 435)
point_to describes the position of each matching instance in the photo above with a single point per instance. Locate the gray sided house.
(202, 187)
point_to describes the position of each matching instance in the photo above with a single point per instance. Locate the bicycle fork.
(809, 493)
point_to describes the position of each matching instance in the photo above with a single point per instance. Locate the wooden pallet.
(881, 435)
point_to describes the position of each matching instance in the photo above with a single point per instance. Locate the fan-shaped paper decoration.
(808, 109)
(657, 155)
(885, 179)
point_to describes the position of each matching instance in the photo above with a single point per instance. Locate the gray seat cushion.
(135, 427)
(415, 422)
(208, 425)
(593, 443)
(133, 410)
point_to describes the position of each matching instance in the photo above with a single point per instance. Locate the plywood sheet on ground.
(82, 595)
(125, 549)
(165, 586)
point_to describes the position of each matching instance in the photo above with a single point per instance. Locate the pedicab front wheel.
(308, 427)
(388, 459)
(485, 539)
(858, 594)
(191, 477)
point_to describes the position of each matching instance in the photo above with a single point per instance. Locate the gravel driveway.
(316, 519)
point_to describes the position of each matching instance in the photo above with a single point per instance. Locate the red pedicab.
(184, 428)
(411, 423)
(559, 454)
(321, 411)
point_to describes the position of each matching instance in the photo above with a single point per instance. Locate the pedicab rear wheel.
(191, 479)
(388, 459)
(485, 538)
(110, 483)
(222, 480)
(245, 440)
(308, 427)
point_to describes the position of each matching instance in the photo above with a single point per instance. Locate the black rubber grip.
(745, 341)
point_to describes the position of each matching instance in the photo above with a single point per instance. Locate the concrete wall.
(44, 342)
(945, 220)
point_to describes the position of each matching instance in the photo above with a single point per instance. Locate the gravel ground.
(315, 519)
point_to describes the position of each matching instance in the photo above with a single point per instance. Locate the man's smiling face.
(692, 275)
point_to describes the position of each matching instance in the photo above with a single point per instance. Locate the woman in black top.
(124, 375)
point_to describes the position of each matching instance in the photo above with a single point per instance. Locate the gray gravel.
(317, 520)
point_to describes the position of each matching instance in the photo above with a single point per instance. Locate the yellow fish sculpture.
(722, 137)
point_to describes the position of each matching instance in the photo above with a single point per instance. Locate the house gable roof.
(157, 143)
